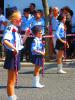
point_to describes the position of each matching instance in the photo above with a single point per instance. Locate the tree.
(46, 9)
(45, 6)
(46, 12)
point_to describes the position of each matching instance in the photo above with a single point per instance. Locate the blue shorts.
(12, 62)
(59, 45)
(37, 60)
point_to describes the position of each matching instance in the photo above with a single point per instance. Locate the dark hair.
(33, 4)
(26, 10)
(66, 8)
(36, 29)
(38, 11)
(50, 9)
(71, 12)
(60, 17)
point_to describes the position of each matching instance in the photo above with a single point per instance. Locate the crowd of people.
(32, 16)
(23, 36)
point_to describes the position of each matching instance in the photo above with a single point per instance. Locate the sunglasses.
(18, 19)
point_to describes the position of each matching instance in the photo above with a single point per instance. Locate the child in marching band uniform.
(61, 42)
(38, 51)
(13, 44)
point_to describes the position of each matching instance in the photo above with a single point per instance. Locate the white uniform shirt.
(11, 34)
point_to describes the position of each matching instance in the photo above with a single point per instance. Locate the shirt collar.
(38, 38)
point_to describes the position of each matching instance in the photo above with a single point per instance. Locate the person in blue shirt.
(54, 23)
(3, 24)
(38, 51)
(26, 19)
(61, 42)
(38, 20)
(24, 26)
(32, 8)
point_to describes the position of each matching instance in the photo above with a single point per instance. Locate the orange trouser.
(11, 82)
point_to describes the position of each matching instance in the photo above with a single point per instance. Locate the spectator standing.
(32, 8)
(55, 23)
(38, 20)
(3, 24)
(68, 12)
(24, 26)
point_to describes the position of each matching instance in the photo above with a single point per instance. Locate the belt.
(53, 30)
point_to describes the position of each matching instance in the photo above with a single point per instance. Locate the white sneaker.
(38, 85)
(61, 72)
(14, 97)
(36, 82)
(10, 98)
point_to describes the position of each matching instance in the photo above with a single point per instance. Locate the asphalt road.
(57, 86)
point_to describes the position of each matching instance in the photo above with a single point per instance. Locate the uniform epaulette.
(9, 28)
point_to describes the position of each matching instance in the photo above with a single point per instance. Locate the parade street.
(57, 86)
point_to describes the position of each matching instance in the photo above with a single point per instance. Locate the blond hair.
(15, 15)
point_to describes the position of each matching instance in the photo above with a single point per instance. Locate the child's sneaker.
(12, 97)
(15, 97)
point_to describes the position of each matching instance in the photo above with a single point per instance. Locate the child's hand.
(42, 53)
(27, 33)
(15, 51)
(67, 45)
(64, 42)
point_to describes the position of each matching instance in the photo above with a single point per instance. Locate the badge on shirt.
(9, 28)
